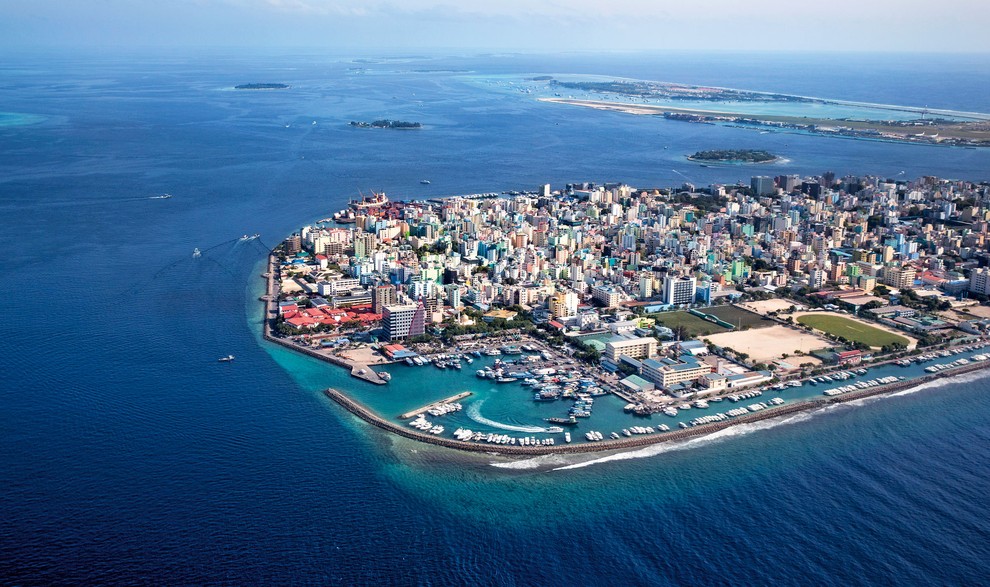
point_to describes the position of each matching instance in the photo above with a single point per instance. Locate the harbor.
(364, 413)
(607, 435)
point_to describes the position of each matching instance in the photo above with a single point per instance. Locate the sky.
(957, 26)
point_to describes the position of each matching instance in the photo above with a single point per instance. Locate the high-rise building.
(404, 321)
(564, 304)
(816, 277)
(679, 290)
(382, 295)
(364, 245)
(899, 276)
(453, 295)
(979, 281)
(762, 185)
(607, 295)
(645, 286)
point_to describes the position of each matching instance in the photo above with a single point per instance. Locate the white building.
(979, 281)
(634, 347)
(679, 290)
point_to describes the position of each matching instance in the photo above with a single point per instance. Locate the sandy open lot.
(764, 307)
(363, 355)
(767, 344)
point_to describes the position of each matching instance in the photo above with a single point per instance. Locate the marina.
(594, 443)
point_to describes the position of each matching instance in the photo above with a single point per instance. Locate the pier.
(370, 417)
(449, 400)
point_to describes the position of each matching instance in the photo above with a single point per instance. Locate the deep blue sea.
(128, 455)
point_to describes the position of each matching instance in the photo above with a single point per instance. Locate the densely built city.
(664, 295)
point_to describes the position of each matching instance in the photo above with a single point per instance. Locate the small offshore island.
(603, 317)
(385, 123)
(256, 86)
(734, 156)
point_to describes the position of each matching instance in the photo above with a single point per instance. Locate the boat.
(562, 421)
(161, 197)
(506, 379)
(196, 253)
(425, 181)
(385, 375)
(226, 359)
(555, 430)
(567, 436)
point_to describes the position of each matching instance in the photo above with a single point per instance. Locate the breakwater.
(370, 417)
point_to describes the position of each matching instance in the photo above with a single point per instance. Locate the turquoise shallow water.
(129, 455)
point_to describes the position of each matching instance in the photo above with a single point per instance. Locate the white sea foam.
(474, 412)
(571, 461)
(535, 462)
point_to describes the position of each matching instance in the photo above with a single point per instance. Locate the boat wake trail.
(474, 412)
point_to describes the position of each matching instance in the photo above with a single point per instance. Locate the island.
(265, 86)
(970, 130)
(734, 156)
(385, 123)
(539, 321)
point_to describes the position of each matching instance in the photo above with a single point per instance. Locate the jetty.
(370, 417)
(424, 409)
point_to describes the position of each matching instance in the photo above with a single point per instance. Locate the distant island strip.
(933, 131)
(734, 156)
(256, 86)
(386, 123)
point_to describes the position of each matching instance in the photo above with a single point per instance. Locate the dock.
(425, 409)
(366, 373)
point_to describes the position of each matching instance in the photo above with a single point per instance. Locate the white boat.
(226, 359)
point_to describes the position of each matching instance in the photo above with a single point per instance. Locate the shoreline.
(733, 162)
(366, 414)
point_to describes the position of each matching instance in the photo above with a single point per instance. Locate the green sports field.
(851, 330)
(695, 326)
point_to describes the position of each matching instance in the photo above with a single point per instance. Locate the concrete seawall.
(367, 415)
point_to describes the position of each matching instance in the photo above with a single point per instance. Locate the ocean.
(128, 454)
